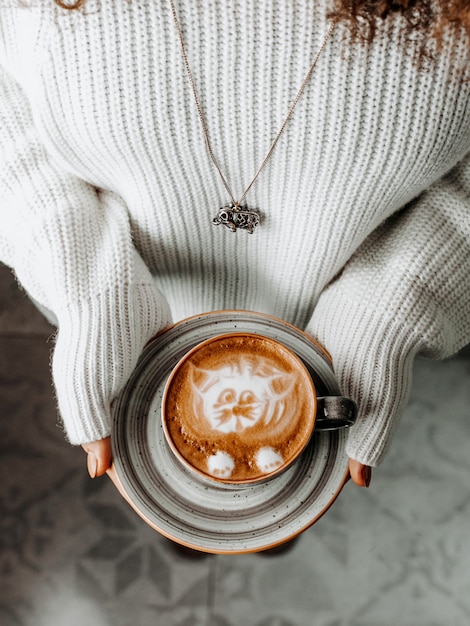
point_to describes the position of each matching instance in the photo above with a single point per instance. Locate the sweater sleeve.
(70, 246)
(405, 292)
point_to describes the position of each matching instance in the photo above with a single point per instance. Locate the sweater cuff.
(97, 348)
(373, 356)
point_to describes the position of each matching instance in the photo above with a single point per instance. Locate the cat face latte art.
(239, 408)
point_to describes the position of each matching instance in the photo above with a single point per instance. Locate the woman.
(110, 196)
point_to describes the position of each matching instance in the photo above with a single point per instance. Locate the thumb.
(99, 456)
(360, 474)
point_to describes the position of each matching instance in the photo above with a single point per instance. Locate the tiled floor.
(72, 553)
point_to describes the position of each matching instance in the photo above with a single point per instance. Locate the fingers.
(99, 456)
(360, 474)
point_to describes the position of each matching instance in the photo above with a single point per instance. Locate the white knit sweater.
(107, 190)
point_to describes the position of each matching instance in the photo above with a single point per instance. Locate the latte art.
(238, 396)
(239, 407)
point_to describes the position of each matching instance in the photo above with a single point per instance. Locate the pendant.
(237, 217)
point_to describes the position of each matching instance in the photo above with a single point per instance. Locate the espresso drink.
(238, 408)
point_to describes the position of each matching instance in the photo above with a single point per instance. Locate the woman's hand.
(99, 456)
(360, 474)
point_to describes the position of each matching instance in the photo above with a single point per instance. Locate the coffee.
(239, 408)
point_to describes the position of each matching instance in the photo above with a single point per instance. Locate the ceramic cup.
(240, 408)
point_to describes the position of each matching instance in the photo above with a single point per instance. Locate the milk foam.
(220, 465)
(235, 397)
(268, 460)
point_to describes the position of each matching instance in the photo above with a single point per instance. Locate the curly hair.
(428, 18)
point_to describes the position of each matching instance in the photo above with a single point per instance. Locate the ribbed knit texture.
(107, 191)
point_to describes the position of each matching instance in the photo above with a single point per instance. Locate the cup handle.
(335, 412)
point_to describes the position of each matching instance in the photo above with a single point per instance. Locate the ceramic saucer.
(201, 513)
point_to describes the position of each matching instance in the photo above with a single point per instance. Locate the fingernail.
(92, 464)
(367, 475)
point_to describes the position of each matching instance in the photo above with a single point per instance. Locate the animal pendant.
(236, 217)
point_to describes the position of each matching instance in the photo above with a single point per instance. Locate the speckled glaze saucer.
(206, 515)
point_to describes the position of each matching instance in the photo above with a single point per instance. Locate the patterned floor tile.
(72, 552)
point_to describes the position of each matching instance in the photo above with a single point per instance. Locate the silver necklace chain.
(234, 215)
